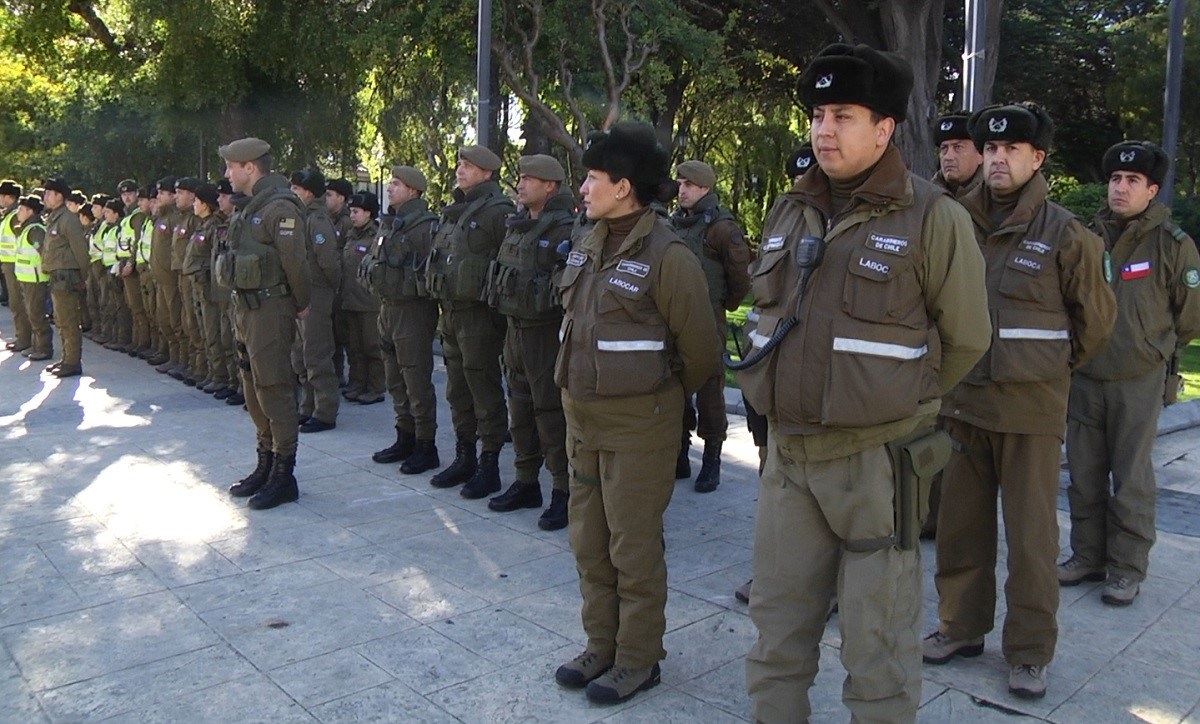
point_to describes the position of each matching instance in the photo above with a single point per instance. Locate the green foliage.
(1083, 200)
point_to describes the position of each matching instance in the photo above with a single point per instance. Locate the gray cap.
(411, 177)
(481, 156)
(541, 166)
(698, 172)
(245, 150)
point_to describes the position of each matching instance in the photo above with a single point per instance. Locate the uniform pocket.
(631, 359)
(874, 290)
(247, 271)
(769, 279)
(877, 374)
(1030, 346)
(1023, 278)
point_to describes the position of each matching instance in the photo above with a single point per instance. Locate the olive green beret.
(481, 156)
(698, 172)
(245, 150)
(411, 177)
(547, 168)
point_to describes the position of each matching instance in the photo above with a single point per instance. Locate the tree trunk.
(991, 48)
(913, 28)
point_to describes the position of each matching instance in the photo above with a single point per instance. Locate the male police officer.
(863, 345)
(468, 236)
(65, 262)
(10, 193)
(266, 266)
(1051, 310)
(521, 287)
(168, 303)
(960, 164)
(1112, 413)
(714, 236)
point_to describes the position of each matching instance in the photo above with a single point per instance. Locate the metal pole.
(1171, 97)
(975, 45)
(483, 74)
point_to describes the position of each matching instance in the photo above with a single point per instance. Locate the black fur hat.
(861, 75)
(801, 160)
(631, 150)
(1012, 122)
(1140, 157)
(952, 127)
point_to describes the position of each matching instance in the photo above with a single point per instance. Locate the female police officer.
(637, 335)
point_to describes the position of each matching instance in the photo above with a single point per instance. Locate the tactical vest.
(519, 280)
(614, 341)
(27, 264)
(864, 351)
(458, 263)
(95, 241)
(109, 240)
(127, 240)
(395, 268)
(693, 229)
(249, 265)
(8, 238)
(145, 243)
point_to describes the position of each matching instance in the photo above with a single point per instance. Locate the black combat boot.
(710, 470)
(399, 450)
(250, 484)
(518, 495)
(459, 471)
(424, 457)
(555, 516)
(280, 488)
(486, 479)
(683, 466)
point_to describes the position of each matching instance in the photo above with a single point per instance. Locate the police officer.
(64, 261)
(960, 164)
(637, 337)
(91, 216)
(313, 357)
(191, 347)
(134, 223)
(337, 197)
(1112, 412)
(521, 287)
(394, 271)
(10, 193)
(30, 278)
(866, 287)
(117, 317)
(713, 235)
(168, 304)
(197, 266)
(1051, 310)
(359, 313)
(225, 385)
(267, 269)
(468, 236)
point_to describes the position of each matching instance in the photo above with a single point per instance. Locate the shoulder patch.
(636, 268)
(773, 243)
(1037, 247)
(888, 244)
(288, 223)
(576, 258)
(318, 239)
(1191, 277)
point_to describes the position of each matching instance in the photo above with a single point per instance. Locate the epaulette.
(1179, 234)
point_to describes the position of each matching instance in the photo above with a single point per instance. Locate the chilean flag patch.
(1137, 270)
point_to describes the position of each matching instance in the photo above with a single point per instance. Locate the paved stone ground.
(133, 588)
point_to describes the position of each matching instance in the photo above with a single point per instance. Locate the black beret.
(861, 75)
(100, 199)
(146, 192)
(33, 203)
(128, 185)
(8, 187)
(1014, 123)
(629, 150)
(952, 127)
(341, 186)
(167, 183)
(59, 184)
(86, 210)
(310, 180)
(187, 183)
(224, 187)
(115, 205)
(1141, 157)
(76, 196)
(366, 201)
(801, 160)
(208, 194)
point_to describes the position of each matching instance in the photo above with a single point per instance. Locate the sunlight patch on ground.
(13, 430)
(101, 409)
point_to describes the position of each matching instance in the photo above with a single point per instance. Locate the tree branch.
(85, 10)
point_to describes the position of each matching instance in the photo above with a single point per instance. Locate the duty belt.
(253, 297)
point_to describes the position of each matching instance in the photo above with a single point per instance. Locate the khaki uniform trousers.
(91, 304)
(132, 288)
(617, 500)
(810, 517)
(406, 332)
(707, 414)
(169, 307)
(193, 348)
(229, 357)
(117, 317)
(146, 283)
(16, 304)
(312, 358)
(68, 313)
(472, 341)
(360, 331)
(1111, 426)
(1023, 470)
(535, 403)
(209, 317)
(33, 296)
(266, 335)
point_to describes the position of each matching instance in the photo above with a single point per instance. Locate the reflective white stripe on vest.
(878, 349)
(630, 345)
(758, 340)
(1028, 333)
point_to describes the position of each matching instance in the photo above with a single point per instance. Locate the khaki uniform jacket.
(198, 255)
(358, 243)
(279, 223)
(635, 325)
(186, 223)
(958, 193)
(341, 224)
(1050, 308)
(325, 258)
(65, 246)
(1155, 275)
(891, 319)
(160, 239)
